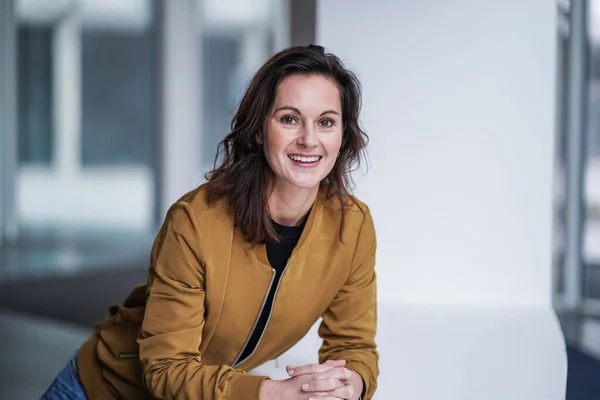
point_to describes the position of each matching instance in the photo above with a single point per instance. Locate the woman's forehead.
(310, 92)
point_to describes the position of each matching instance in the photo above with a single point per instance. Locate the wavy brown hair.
(241, 172)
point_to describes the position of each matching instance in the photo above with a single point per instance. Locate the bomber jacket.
(180, 335)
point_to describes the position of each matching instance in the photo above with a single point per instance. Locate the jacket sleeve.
(350, 322)
(171, 332)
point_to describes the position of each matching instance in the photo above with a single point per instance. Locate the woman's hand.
(329, 388)
(329, 381)
(288, 389)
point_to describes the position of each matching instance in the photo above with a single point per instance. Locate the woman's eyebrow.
(289, 108)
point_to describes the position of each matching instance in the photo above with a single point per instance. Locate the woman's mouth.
(304, 160)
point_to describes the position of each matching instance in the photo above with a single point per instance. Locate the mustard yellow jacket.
(180, 335)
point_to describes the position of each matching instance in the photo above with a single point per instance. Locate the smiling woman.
(296, 130)
(301, 141)
(244, 265)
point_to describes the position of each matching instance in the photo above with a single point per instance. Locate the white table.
(458, 353)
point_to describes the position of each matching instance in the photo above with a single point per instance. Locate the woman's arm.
(171, 332)
(350, 322)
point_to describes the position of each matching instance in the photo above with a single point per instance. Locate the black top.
(278, 255)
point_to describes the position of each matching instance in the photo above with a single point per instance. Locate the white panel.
(458, 101)
(454, 353)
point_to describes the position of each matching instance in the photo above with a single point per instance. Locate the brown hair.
(243, 172)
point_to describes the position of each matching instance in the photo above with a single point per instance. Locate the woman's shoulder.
(356, 212)
(196, 205)
(350, 202)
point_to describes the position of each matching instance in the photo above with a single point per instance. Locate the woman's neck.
(288, 205)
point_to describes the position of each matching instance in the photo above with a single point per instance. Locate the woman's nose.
(308, 137)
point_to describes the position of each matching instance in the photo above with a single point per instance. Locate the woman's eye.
(288, 119)
(327, 123)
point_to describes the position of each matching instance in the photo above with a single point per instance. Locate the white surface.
(458, 102)
(458, 353)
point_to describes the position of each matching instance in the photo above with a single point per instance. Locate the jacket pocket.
(117, 347)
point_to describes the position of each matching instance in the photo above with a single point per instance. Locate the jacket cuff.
(245, 387)
(363, 372)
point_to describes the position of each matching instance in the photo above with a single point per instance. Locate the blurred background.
(111, 109)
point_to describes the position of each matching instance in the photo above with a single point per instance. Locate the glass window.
(2, 111)
(88, 113)
(561, 143)
(237, 37)
(116, 62)
(119, 95)
(35, 94)
(591, 256)
(590, 245)
(221, 56)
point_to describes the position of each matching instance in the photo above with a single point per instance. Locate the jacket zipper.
(237, 360)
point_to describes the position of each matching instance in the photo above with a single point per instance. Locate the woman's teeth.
(311, 159)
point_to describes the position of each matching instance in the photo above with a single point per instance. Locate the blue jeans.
(66, 385)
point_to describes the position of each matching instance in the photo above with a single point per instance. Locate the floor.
(33, 350)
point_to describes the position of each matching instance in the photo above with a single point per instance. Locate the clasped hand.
(327, 381)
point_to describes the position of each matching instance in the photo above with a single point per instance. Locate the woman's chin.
(303, 184)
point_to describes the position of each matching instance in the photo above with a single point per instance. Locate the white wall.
(458, 102)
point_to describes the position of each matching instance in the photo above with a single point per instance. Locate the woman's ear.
(259, 137)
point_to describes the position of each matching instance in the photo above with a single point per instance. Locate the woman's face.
(303, 133)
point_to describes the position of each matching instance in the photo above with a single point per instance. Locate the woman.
(245, 264)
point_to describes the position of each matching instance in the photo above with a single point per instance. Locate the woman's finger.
(302, 370)
(342, 374)
(308, 369)
(322, 385)
(344, 392)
